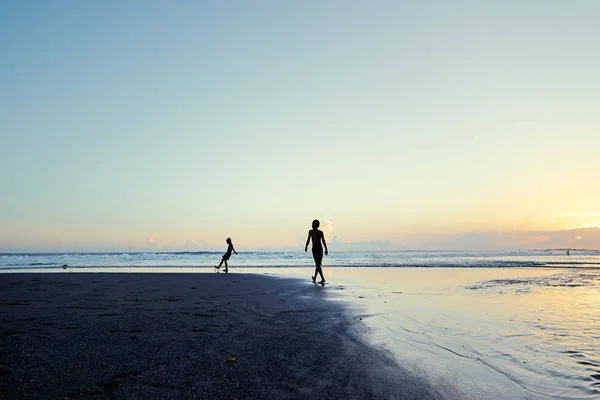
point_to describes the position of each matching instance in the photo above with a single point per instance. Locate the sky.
(142, 125)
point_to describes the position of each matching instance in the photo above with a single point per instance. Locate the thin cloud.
(187, 245)
(588, 238)
(574, 221)
(327, 228)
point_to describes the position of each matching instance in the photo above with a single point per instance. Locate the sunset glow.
(174, 128)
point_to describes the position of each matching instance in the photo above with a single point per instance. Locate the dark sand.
(168, 336)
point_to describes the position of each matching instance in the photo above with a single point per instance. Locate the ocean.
(491, 325)
(433, 259)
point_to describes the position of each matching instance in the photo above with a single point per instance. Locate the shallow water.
(498, 334)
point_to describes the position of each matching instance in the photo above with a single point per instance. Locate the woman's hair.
(316, 224)
(228, 240)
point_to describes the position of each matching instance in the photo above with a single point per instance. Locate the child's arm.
(233, 249)
(324, 244)
(307, 241)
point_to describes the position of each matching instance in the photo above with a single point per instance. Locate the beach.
(379, 333)
(187, 336)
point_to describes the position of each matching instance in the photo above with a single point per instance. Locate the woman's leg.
(318, 256)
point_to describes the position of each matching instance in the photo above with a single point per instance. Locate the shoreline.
(176, 335)
(283, 271)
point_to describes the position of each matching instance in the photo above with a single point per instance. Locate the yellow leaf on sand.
(231, 359)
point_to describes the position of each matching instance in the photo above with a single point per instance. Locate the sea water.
(545, 258)
(519, 325)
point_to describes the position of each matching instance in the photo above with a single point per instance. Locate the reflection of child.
(317, 237)
(227, 255)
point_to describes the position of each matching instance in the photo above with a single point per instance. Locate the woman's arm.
(307, 241)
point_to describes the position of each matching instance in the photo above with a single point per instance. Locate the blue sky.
(136, 124)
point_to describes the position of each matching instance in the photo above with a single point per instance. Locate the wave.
(204, 259)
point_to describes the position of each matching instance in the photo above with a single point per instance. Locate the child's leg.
(221, 263)
(226, 268)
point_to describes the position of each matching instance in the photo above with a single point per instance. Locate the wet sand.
(490, 333)
(187, 336)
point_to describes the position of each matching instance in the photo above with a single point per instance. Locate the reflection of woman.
(317, 237)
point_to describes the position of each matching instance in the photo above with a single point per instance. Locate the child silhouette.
(227, 255)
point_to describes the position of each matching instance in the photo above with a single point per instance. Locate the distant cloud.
(327, 228)
(563, 222)
(376, 245)
(539, 236)
(570, 221)
(509, 241)
(201, 245)
(152, 244)
(583, 238)
(484, 241)
(487, 241)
